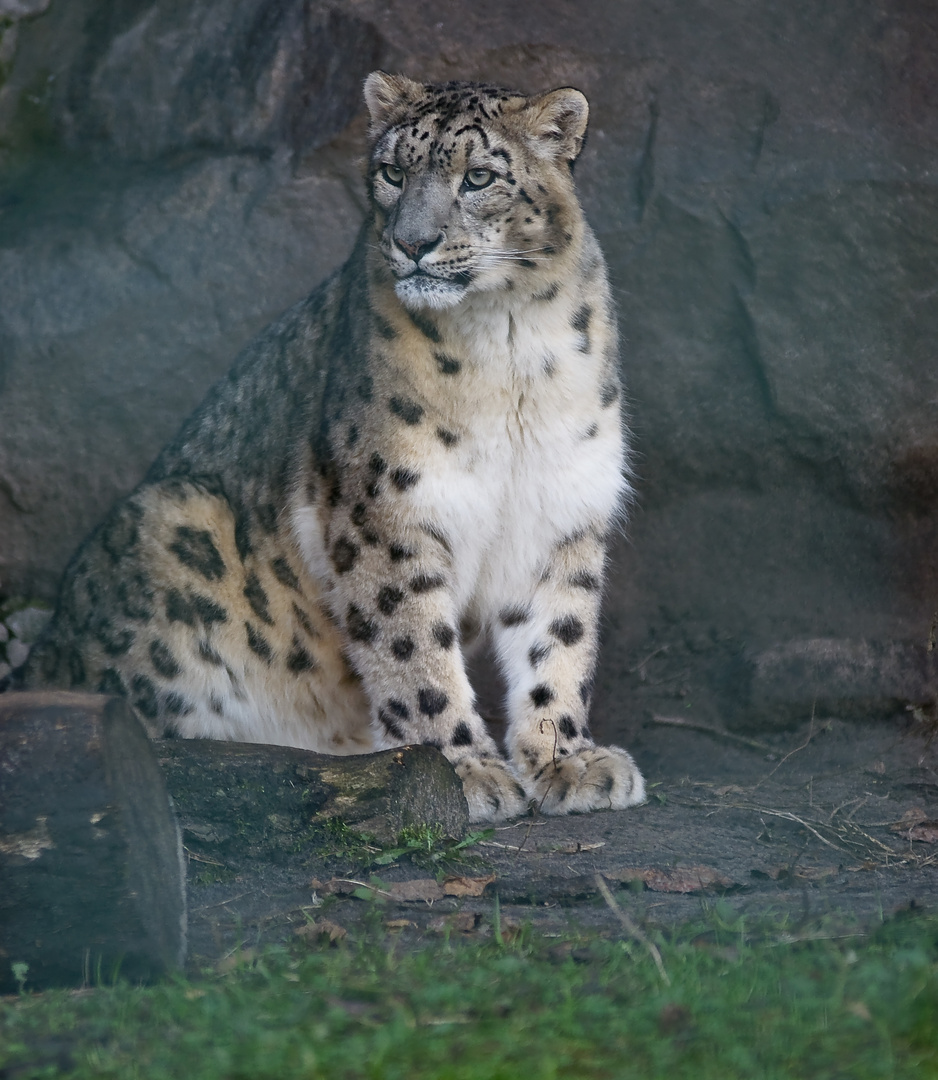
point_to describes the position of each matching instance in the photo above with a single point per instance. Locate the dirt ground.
(835, 822)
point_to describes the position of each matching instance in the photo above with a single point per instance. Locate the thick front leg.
(547, 642)
(392, 594)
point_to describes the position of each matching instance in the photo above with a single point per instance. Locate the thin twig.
(791, 753)
(550, 783)
(631, 927)
(707, 729)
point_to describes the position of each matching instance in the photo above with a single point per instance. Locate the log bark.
(250, 801)
(93, 881)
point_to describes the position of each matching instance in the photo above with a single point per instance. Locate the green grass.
(742, 1003)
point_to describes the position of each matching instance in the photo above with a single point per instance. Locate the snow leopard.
(425, 454)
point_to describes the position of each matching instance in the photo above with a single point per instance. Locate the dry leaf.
(913, 816)
(678, 879)
(399, 924)
(466, 886)
(425, 889)
(462, 922)
(322, 931)
(926, 832)
(859, 1009)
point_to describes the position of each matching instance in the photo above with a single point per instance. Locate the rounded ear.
(560, 116)
(384, 94)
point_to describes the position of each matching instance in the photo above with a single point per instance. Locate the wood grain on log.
(93, 882)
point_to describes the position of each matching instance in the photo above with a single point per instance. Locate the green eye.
(479, 178)
(393, 174)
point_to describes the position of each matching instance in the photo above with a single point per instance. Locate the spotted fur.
(427, 448)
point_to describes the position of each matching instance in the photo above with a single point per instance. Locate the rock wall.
(761, 176)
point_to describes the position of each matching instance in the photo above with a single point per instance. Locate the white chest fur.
(539, 458)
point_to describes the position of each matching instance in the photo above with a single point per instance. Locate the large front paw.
(491, 789)
(594, 778)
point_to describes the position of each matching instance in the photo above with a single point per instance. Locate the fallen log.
(91, 811)
(249, 802)
(93, 882)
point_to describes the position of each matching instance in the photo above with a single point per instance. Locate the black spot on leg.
(444, 635)
(424, 583)
(403, 647)
(344, 554)
(583, 579)
(377, 464)
(360, 627)
(195, 549)
(164, 663)
(398, 708)
(538, 652)
(400, 552)
(566, 727)
(359, 515)
(447, 438)
(388, 599)
(403, 478)
(431, 701)
(514, 616)
(567, 630)
(462, 735)
(258, 644)
(390, 724)
(283, 572)
(586, 691)
(256, 596)
(592, 431)
(409, 411)
(542, 695)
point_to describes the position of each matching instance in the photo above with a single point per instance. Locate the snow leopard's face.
(471, 185)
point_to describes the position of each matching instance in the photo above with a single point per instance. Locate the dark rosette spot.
(462, 735)
(258, 644)
(256, 596)
(196, 549)
(389, 598)
(567, 727)
(542, 695)
(515, 615)
(164, 663)
(403, 647)
(431, 701)
(444, 634)
(567, 630)
(344, 554)
(360, 627)
(409, 411)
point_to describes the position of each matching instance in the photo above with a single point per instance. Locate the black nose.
(416, 249)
